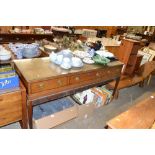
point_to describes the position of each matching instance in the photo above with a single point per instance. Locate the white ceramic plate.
(88, 61)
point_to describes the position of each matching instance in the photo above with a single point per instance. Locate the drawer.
(54, 113)
(110, 73)
(10, 108)
(83, 77)
(49, 84)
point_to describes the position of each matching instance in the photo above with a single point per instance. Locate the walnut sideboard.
(45, 81)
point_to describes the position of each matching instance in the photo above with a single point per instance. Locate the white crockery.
(66, 63)
(5, 55)
(76, 62)
(59, 59)
(53, 57)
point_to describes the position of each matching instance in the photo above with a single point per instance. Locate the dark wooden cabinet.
(24, 38)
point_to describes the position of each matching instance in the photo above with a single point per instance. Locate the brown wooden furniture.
(141, 74)
(139, 116)
(46, 81)
(128, 55)
(13, 107)
(111, 30)
(138, 62)
(6, 38)
(153, 126)
(113, 49)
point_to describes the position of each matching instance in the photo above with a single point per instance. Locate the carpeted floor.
(98, 119)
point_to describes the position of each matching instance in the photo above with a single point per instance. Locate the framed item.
(146, 57)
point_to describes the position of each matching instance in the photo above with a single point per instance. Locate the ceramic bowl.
(67, 53)
(31, 51)
(66, 63)
(76, 62)
(53, 57)
(5, 55)
(49, 48)
(59, 59)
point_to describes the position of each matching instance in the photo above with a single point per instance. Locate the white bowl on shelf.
(5, 55)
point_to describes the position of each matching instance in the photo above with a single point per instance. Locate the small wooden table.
(140, 116)
(45, 81)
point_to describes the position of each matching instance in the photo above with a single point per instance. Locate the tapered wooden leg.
(116, 94)
(30, 113)
(24, 122)
(149, 79)
(141, 84)
(116, 85)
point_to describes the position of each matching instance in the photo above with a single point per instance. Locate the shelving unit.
(128, 54)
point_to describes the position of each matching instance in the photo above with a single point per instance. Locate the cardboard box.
(84, 110)
(102, 96)
(57, 118)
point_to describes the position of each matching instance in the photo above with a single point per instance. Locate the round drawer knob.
(108, 72)
(59, 82)
(77, 78)
(41, 85)
(97, 74)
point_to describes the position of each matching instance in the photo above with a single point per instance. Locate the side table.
(13, 106)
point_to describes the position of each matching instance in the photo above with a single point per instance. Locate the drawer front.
(85, 77)
(10, 108)
(111, 73)
(49, 84)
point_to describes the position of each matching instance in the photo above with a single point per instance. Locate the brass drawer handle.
(77, 78)
(41, 85)
(59, 82)
(97, 74)
(89, 74)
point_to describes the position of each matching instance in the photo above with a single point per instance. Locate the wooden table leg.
(149, 79)
(24, 122)
(30, 113)
(115, 88)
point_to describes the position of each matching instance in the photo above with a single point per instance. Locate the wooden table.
(139, 116)
(46, 81)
